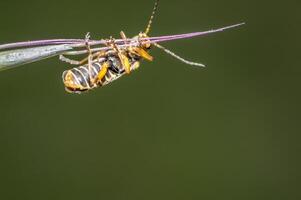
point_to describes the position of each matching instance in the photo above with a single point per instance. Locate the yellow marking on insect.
(147, 43)
(103, 71)
(141, 52)
(69, 81)
(136, 65)
(125, 62)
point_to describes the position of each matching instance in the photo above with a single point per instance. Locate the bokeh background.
(167, 131)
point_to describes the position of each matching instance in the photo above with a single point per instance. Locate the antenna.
(148, 28)
(178, 57)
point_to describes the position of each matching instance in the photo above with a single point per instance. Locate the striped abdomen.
(80, 79)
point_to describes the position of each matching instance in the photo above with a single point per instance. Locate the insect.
(102, 65)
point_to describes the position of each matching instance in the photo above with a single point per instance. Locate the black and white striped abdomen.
(77, 79)
(80, 79)
(82, 74)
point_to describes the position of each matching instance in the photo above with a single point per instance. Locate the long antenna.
(179, 57)
(148, 28)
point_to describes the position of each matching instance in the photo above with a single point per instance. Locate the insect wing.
(17, 57)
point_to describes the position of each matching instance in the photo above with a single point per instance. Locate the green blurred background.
(167, 131)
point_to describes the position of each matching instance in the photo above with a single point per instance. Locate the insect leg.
(123, 58)
(136, 50)
(81, 62)
(89, 58)
(103, 71)
(139, 50)
(136, 65)
(68, 60)
(123, 36)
